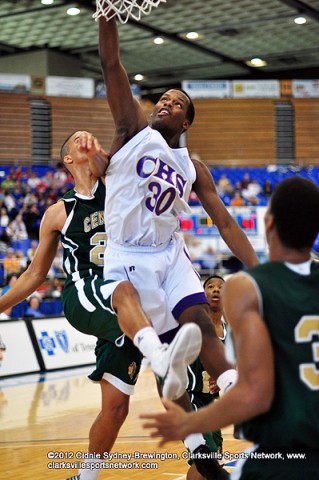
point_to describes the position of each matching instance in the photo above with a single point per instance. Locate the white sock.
(87, 473)
(193, 441)
(147, 341)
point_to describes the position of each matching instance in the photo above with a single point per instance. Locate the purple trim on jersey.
(186, 253)
(189, 301)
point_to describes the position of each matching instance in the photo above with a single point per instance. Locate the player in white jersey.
(154, 189)
(148, 180)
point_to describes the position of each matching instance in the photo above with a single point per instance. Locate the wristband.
(227, 379)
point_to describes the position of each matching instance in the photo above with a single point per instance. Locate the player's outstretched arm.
(128, 115)
(232, 234)
(37, 271)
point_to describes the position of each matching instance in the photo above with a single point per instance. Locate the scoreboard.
(200, 224)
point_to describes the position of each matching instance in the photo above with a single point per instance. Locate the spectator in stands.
(33, 309)
(55, 289)
(245, 180)
(11, 264)
(17, 229)
(58, 262)
(250, 194)
(195, 248)
(42, 185)
(30, 198)
(7, 183)
(60, 176)
(5, 242)
(10, 204)
(208, 259)
(193, 199)
(224, 185)
(17, 173)
(11, 279)
(32, 219)
(267, 190)
(4, 217)
(33, 180)
(31, 251)
(18, 194)
(22, 260)
(237, 200)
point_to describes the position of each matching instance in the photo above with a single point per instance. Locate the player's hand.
(170, 425)
(89, 144)
(213, 387)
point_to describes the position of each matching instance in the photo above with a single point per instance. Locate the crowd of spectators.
(26, 193)
(247, 191)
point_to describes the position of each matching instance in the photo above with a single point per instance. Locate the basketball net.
(124, 9)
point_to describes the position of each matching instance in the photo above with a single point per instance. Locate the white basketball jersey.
(147, 187)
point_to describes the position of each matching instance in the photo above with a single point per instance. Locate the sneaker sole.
(185, 349)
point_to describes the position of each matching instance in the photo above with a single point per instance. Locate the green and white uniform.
(289, 304)
(87, 297)
(199, 395)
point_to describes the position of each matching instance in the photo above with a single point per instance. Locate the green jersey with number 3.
(289, 304)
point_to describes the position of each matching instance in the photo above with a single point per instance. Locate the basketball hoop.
(125, 9)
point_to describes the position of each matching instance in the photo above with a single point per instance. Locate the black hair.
(210, 277)
(64, 150)
(190, 114)
(295, 208)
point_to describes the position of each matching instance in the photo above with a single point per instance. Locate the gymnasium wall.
(27, 126)
(227, 132)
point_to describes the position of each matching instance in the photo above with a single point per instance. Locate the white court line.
(58, 444)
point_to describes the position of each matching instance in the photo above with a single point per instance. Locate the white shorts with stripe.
(164, 277)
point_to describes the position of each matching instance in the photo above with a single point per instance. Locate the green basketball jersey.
(289, 304)
(83, 236)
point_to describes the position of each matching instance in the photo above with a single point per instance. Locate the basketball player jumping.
(148, 181)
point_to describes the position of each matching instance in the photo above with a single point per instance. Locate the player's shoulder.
(55, 216)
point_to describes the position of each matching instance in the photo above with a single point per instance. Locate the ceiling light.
(47, 2)
(300, 20)
(138, 77)
(158, 40)
(192, 35)
(73, 11)
(256, 62)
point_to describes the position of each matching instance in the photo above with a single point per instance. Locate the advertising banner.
(16, 350)
(207, 88)
(61, 345)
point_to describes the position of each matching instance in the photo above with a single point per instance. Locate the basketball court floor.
(45, 420)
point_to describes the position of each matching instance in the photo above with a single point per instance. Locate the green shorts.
(213, 439)
(88, 308)
(117, 362)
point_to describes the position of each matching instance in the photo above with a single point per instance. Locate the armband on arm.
(227, 379)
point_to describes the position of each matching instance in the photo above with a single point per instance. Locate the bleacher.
(274, 173)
